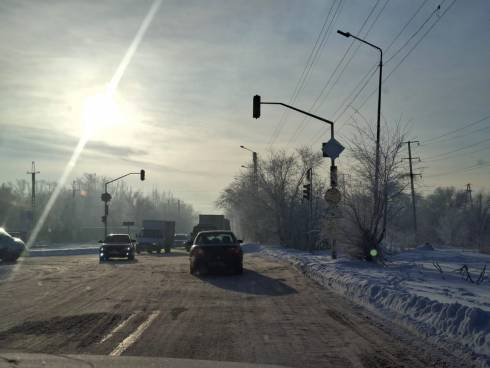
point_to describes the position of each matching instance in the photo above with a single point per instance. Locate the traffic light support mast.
(106, 197)
(333, 169)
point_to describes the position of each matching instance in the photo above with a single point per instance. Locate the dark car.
(180, 240)
(117, 245)
(10, 247)
(216, 248)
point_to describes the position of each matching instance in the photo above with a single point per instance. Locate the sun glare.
(100, 112)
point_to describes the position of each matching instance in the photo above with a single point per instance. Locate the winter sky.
(183, 105)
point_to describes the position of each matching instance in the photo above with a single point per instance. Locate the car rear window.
(117, 239)
(216, 238)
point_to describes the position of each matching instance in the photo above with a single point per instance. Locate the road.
(154, 307)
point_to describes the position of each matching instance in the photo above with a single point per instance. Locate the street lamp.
(106, 197)
(376, 169)
(254, 160)
(255, 183)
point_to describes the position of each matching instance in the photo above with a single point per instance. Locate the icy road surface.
(154, 307)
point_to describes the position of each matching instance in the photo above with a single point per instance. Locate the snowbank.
(410, 290)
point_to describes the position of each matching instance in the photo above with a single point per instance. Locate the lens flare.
(99, 111)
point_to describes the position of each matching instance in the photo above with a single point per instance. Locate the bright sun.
(100, 112)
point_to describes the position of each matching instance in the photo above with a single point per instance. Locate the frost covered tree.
(365, 220)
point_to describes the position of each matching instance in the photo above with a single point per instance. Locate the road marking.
(118, 327)
(131, 339)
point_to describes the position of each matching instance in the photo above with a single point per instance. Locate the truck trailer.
(155, 235)
(208, 222)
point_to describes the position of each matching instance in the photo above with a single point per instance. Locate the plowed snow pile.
(444, 306)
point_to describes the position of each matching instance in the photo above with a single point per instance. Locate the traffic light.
(104, 219)
(142, 175)
(333, 176)
(307, 192)
(256, 107)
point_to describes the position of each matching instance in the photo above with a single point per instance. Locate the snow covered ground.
(442, 306)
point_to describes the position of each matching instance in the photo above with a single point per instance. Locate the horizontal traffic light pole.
(141, 174)
(256, 111)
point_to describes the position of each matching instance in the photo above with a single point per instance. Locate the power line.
(405, 44)
(358, 45)
(409, 51)
(471, 168)
(459, 155)
(456, 130)
(313, 107)
(460, 135)
(312, 58)
(406, 25)
(459, 149)
(371, 73)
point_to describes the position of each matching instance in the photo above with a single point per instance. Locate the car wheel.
(10, 258)
(131, 257)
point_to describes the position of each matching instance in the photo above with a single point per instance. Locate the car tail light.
(235, 250)
(198, 252)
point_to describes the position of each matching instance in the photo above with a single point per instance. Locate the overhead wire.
(391, 58)
(312, 58)
(458, 149)
(445, 157)
(371, 73)
(313, 107)
(437, 138)
(402, 60)
(471, 168)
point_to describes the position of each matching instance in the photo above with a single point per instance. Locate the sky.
(183, 106)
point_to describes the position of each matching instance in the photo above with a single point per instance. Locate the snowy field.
(424, 290)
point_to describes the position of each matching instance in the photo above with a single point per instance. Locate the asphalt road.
(154, 307)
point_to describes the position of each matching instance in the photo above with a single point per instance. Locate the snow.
(444, 307)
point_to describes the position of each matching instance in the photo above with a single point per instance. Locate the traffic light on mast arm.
(256, 107)
(142, 175)
(307, 192)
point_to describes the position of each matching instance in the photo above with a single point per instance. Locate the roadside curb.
(61, 252)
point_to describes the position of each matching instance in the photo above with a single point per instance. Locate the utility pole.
(414, 207)
(255, 184)
(74, 188)
(468, 195)
(308, 195)
(33, 173)
(256, 181)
